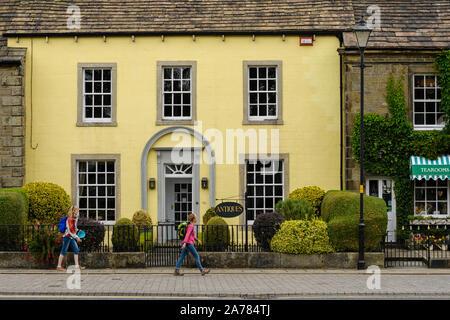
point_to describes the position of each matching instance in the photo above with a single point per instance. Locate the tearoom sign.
(229, 209)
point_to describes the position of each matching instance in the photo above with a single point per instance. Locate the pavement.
(159, 283)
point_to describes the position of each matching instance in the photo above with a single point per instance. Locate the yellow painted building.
(306, 126)
(106, 113)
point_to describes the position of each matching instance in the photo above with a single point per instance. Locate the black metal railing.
(417, 246)
(135, 238)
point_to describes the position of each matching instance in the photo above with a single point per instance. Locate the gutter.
(337, 33)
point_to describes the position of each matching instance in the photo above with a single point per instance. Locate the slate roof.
(182, 16)
(413, 24)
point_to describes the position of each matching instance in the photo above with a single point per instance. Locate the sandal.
(80, 267)
(60, 269)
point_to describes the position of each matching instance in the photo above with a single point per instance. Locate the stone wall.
(338, 260)
(12, 117)
(381, 65)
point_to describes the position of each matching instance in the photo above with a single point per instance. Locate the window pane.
(110, 178)
(98, 100)
(88, 87)
(442, 208)
(110, 167)
(419, 118)
(97, 112)
(186, 111)
(262, 85)
(253, 85)
(186, 85)
(167, 73)
(92, 166)
(92, 191)
(272, 110)
(176, 111)
(253, 73)
(430, 118)
(272, 85)
(263, 98)
(430, 94)
(418, 107)
(106, 87)
(88, 113)
(106, 100)
(177, 73)
(430, 81)
(88, 100)
(81, 166)
(107, 112)
(167, 98)
(419, 81)
(262, 72)
(167, 111)
(167, 85)
(177, 98)
(263, 110)
(106, 74)
(97, 74)
(419, 94)
(272, 73)
(88, 75)
(420, 194)
(442, 194)
(253, 98)
(176, 85)
(186, 73)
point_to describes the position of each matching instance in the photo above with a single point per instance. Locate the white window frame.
(424, 101)
(96, 185)
(273, 184)
(257, 92)
(434, 215)
(181, 117)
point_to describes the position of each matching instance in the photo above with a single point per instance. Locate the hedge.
(302, 237)
(341, 210)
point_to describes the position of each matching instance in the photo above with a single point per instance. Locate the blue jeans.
(67, 241)
(184, 252)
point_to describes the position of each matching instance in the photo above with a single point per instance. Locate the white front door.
(384, 188)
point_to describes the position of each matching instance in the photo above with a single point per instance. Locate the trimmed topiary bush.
(95, 234)
(216, 234)
(313, 194)
(340, 209)
(211, 212)
(48, 202)
(125, 236)
(23, 194)
(13, 208)
(295, 209)
(302, 237)
(265, 227)
(142, 218)
(13, 215)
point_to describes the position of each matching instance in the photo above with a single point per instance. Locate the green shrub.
(211, 212)
(95, 234)
(48, 202)
(216, 234)
(295, 209)
(142, 218)
(125, 236)
(313, 194)
(302, 237)
(265, 227)
(13, 215)
(340, 209)
(13, 208)
(23, 194)
(44, 246)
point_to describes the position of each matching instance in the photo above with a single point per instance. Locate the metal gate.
(161, 247)
(418, 251)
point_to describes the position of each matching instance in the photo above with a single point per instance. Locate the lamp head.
(362, 33)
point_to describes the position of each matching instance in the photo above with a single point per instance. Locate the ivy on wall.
(390, 140)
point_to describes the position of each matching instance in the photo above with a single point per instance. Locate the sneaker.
(204, 271)
(178, 273)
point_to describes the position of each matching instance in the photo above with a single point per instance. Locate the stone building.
(12, 110)
(405, 45)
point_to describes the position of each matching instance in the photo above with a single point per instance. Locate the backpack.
(182, 227)
(62, 224)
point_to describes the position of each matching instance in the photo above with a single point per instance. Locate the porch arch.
(156, 137)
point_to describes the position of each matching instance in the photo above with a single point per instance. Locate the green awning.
(423, 168)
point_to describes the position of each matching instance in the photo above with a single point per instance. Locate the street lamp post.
(362, 34)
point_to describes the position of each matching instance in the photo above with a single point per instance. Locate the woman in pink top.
(188, 245)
